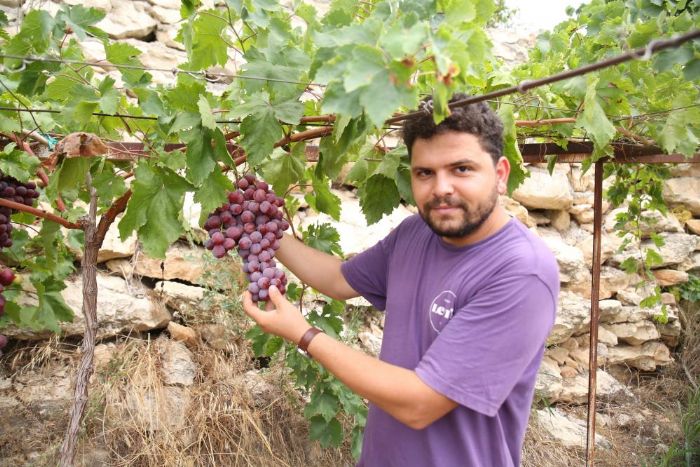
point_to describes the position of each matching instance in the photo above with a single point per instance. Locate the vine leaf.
(282, 169)
(594, 120)
(17, 164)
(261, 129)
(511, 150)
(378, 196)
(323, 404)
(154, 208)
(204, 42)
(328, 433)
(323, 237)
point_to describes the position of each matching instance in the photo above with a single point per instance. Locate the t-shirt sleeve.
(367, 272)
(489, 343)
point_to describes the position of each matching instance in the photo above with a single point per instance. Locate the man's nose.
(443, 185)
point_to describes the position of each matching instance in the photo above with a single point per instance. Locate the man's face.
(455, 184)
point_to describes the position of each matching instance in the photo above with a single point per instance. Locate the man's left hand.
(280, 317)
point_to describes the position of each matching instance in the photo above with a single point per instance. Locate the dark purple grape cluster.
(13, 190)
(252, 220)
(23, 193)
(6, 278)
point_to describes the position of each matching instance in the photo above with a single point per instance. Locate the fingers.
(275, 296)
(250, 308)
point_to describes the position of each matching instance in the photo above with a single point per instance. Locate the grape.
(218, 251)
(6, 277)
(250, 220)
(217, 238)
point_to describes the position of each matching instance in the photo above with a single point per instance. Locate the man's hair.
(476, 119)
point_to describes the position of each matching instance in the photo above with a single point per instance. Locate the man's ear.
(502, 172)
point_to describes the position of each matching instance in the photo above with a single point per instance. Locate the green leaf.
(282, 169)
(653, 258)
(323, 200)
(378, 196)
(677, 133)
(212, 193)
(201, 159)
(154, 208)
(207, 46)
(323, 404)
(71, 174)
(630, 265)
(691, 71)
(594, 120)
(457, 11)
(323, 237)
(18, 164)
(260, 130)
(365, 64)
(121, 53)
(208, 120)
(511, 149)
(79, 18)
(385, 96)
(328, 433)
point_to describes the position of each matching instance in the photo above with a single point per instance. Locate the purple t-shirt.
(472, 322)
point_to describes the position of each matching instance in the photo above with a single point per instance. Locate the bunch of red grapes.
(252, 220)
(23, 193)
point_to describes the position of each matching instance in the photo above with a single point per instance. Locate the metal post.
(595, 312)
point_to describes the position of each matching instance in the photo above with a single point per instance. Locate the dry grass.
(221, 420)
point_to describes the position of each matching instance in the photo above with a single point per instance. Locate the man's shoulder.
(524, 251)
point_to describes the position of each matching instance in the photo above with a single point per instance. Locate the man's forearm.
(316, 268)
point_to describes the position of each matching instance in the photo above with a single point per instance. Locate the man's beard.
(471, 220)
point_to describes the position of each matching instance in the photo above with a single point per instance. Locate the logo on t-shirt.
(441, 309)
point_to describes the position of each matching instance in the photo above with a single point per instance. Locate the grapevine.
(251, 220)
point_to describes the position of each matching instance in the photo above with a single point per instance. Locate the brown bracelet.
(307, 337)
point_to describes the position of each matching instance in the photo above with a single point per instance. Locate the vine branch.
(39, 213)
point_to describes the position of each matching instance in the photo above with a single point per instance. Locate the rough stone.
(181, 262)
(691, 264)
(651, 222)
(613, 280)
(676, 249)
(693, 225)
(517, 210)
(670, 332)
(544, 191)
(121, 308)
(645, 357)
(567, 431)
(670, 277)
(158, 55)
(575, 390)
(634, 333)
(128, 20)
(583, 213)
(178, 296)
(683, 191)
(561, 220)
(215, 335)
(182, 333)
(177, 366)
(573, 315)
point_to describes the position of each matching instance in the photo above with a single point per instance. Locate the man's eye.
(462, 169)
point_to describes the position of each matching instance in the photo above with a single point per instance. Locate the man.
(470, 296)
